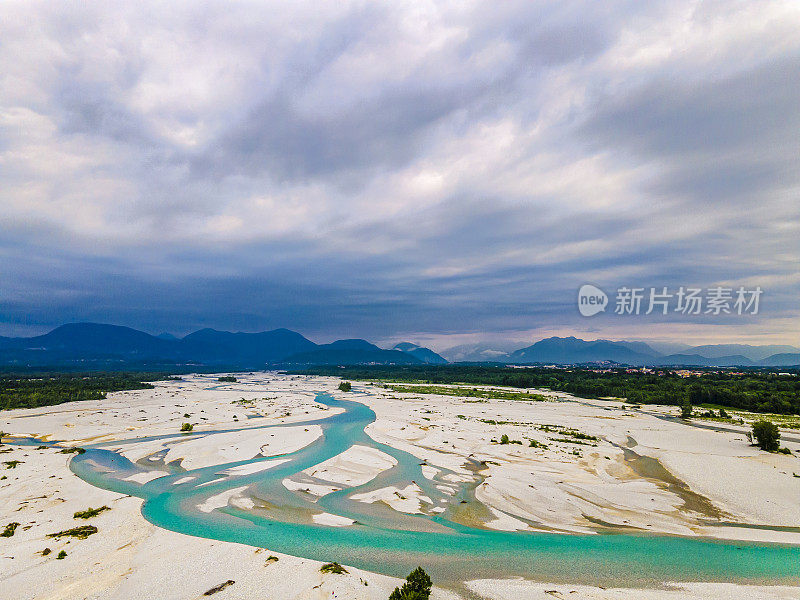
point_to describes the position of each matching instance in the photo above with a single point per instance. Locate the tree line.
(48, 389)
(757, 391)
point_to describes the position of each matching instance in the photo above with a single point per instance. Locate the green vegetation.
(81, 532)
(12, 464)
(504, 439)
(417, 587)
(62, 555)
(228, 379)
(574, 433)
(333, 567)
(686, 409)
(90, 512)
(465, 392)
(766, 435)
(538, 444)
(219, 588)
(46, 551)
(47, 389)
(187, 427)
(72, 450)
(345, 386)
(9, 529)
(757, 390)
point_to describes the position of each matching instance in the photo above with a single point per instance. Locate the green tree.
(686, 409)
(766, 435)
(417, 587)
(345, 386)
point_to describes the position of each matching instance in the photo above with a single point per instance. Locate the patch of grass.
(333, 567)
(72, 450)
(12, 464)
(464, 392)
(90, 512)
(186, 427)
(571, 441)
(573, 433)
(80, 533)
(538, 444)
(9, 529)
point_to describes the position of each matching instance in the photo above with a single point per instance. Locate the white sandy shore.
(553, 489)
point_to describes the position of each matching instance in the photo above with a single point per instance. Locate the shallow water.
(394, 543)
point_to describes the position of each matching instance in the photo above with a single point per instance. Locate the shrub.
(504, 439)
(417, 587)
(187, 427)
(345, 386)
(9, 530)
(12, 464)
(81, 532)
(538, 444)
(686, 410)
(61, 555)
(227, 378)
(72, 450)
(766, 435)
(90, 512)
(785, 451)
(333, 567)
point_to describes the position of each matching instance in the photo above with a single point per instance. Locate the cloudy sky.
(441, 172)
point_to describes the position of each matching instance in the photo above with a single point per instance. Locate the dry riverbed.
(594, 466)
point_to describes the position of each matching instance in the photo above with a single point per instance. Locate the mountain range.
(94, 346)
(572, 350)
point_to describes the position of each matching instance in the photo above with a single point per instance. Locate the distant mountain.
(166, 336)
(426, 355)
(476, 353)
(211, 345)
(94, 345)
(638, 347)
(669, 347)
(782, 360)
(351, 352)
(753, 353)
(571, 350)
(85, 340)
(736, 360)
(99, 346)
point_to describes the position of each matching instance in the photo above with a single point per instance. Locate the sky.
(444, 173)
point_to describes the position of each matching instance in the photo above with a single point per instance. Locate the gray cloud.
(395, 170)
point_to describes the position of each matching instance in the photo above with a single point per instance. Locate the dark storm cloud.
(391, 170)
